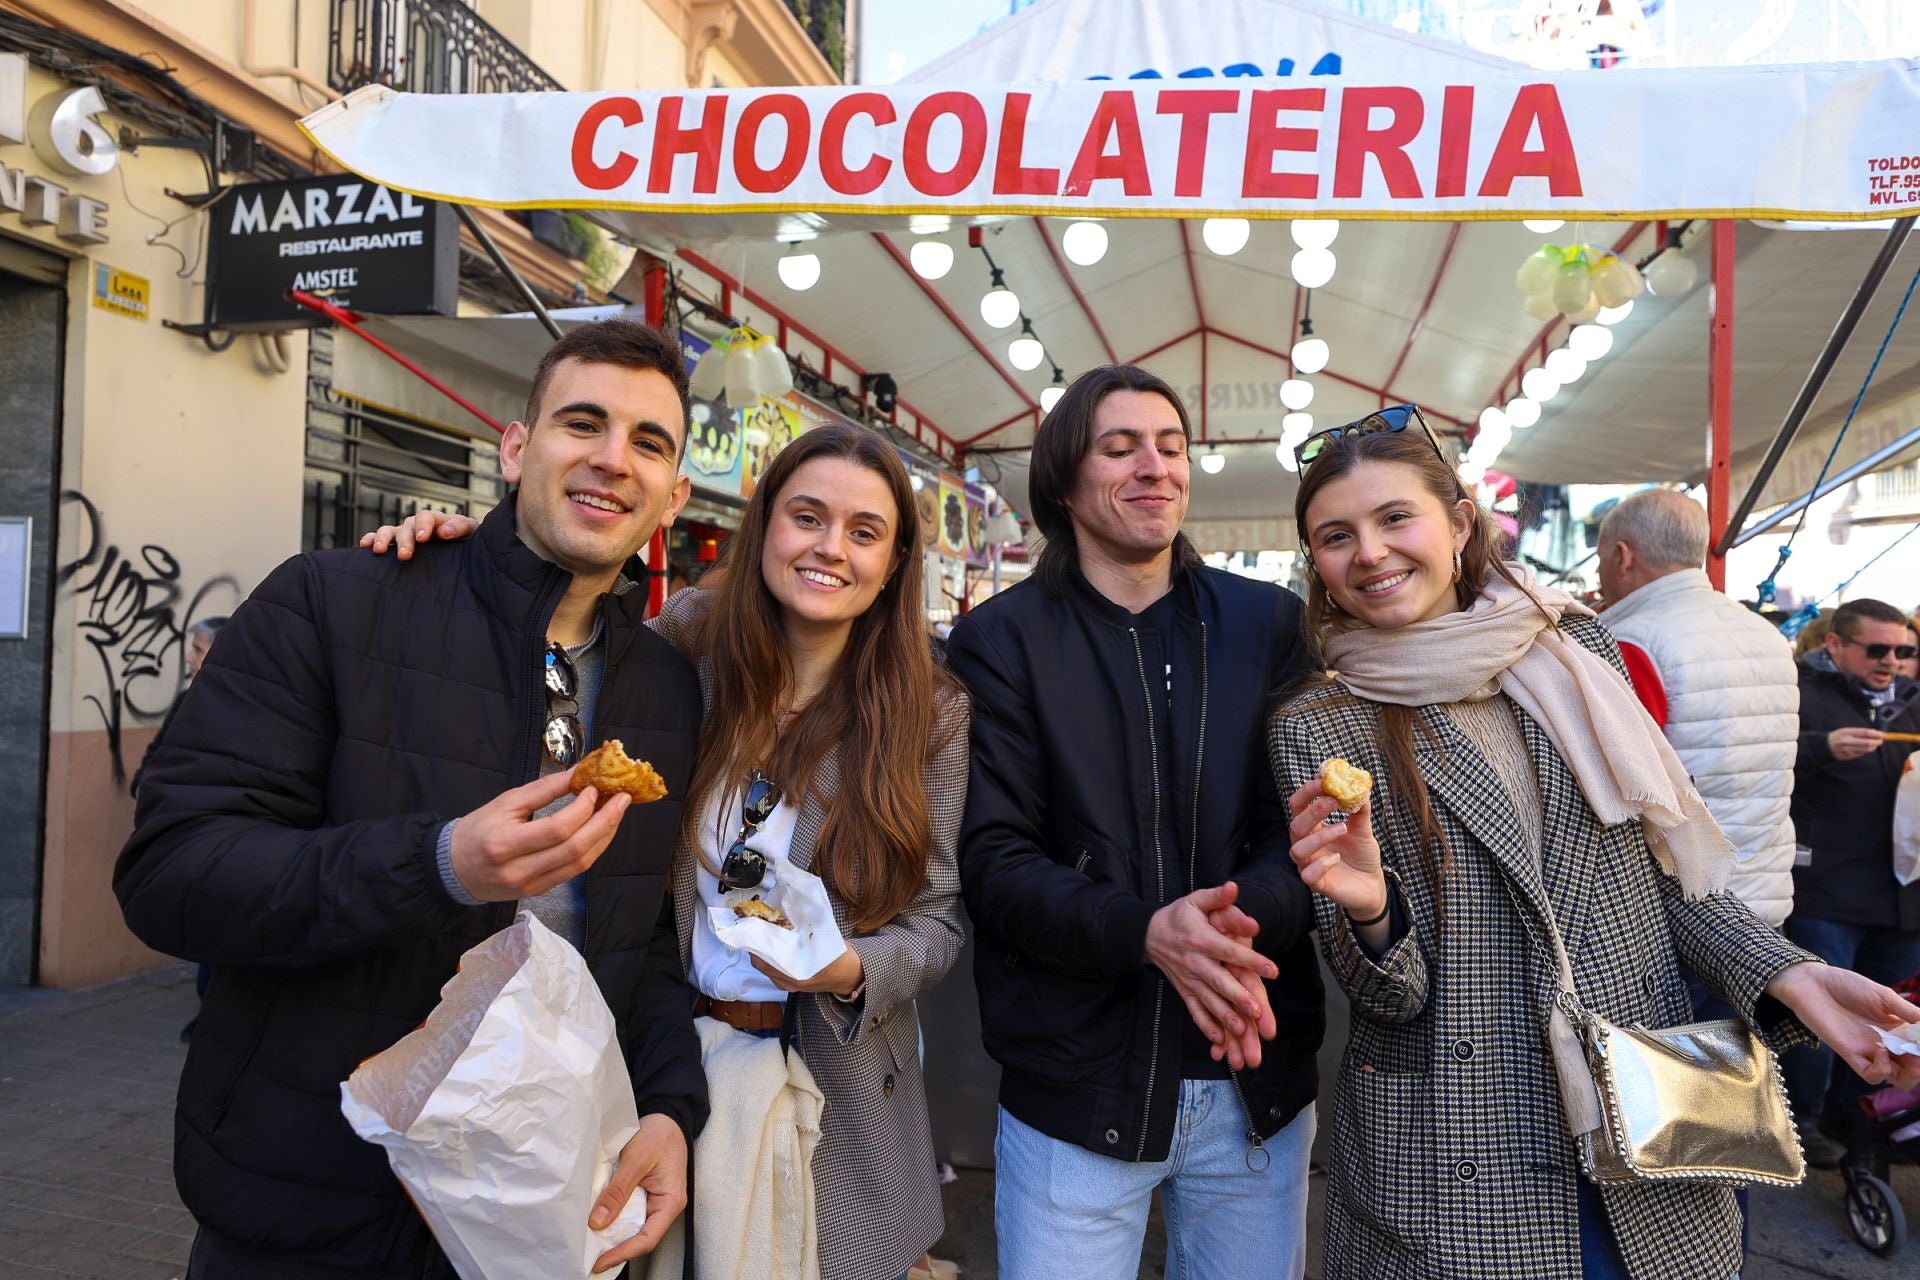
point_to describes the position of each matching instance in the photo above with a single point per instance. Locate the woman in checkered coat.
(1515, 776)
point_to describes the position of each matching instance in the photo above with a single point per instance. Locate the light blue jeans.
(1060, 1210)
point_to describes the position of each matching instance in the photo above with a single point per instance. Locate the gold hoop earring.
(1456, 564)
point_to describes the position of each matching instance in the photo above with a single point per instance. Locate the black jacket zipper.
(1160, 876)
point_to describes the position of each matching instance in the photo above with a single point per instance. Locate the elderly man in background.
(1719, 680)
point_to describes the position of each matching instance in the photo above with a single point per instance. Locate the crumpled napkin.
(1904, 1039)
(504, 1114)
(811, 945)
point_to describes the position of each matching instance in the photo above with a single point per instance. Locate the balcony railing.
(1897, 488)
(425, 46)
(826, 24)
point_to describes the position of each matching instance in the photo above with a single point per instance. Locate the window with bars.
(366, 467)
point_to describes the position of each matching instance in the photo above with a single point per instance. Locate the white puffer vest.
(1733, 717)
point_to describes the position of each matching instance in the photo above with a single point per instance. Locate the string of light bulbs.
(1000, 307)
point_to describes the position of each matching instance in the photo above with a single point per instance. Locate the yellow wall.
(173, 447)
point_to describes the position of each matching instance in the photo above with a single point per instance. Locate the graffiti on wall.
(132, 611)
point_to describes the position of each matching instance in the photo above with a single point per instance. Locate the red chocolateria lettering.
(1456, 134)
(833, 144)
(1115, 118)
(1196, 109)
(793, 153)
(1535, 105)
(702, 142)
(595, 176)
(1387, 144)
(1011, 176)
(1266, 138)
(966, 109)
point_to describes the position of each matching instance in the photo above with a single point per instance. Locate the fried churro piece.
(607, 770)
(759, 910)
(1347, 784)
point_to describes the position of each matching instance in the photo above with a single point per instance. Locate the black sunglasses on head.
(564, 737)
(1880, 651)
(745, 868)
(1397, 418)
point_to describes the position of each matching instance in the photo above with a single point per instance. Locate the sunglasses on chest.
(745, 868)
(564, 737)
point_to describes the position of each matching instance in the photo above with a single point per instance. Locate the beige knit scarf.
(1509, 642)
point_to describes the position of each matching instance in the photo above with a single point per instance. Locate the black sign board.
(342, 238)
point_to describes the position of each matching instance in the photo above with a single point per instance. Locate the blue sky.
(904, 35)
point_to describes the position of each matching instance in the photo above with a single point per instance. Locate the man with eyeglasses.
(1848, 909)
(372, 771)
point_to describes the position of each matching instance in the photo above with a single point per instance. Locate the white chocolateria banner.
(1829, 142)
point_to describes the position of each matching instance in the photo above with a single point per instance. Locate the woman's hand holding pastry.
(1341, 862)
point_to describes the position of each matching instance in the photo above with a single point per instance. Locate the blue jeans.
(1883, 954)
(1060, 1210)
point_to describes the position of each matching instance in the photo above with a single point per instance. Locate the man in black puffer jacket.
(368, 775)
(1123, 841)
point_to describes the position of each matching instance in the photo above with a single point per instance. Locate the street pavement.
(86, 1134)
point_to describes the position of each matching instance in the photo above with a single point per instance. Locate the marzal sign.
(1826, 142)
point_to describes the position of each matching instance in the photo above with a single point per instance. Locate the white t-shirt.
(720, 972)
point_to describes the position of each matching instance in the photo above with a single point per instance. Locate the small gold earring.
(1456, 564)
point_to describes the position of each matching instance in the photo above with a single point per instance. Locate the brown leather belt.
(742, 1015)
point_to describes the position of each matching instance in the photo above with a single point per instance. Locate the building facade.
(155, 469)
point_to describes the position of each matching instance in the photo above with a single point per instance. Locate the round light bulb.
(1314, 233)
(1614, 315)
(1000, 307)
(1565, 366)
(1310, 355)
(1522, 412)
(1472, 473)
(1026, 352)
(916, 481)
(1590, 341)
(1283, 453)
(800, 271)
(1540, 385)
(1296, 427)
(1672, 274)
(1213, 462)
(1051, 397)
(1492, 419)
(931, 258)
(1296, 393)
(1084, 243)
(1544, 226)
(1226, 236)
(1313, 267)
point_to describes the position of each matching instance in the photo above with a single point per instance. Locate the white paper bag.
(811, 945)
(1906, 824)
(504, 1114)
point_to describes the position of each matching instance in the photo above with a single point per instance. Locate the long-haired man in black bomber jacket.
(369, 774)
(1146, 978)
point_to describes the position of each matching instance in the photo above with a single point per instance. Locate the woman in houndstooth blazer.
(1450, 1149)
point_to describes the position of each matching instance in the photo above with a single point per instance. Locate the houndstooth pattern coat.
(1449, 1153)
(876, 1193)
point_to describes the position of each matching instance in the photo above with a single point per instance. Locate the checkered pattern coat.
(876, 1190)
(1450, 1154)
